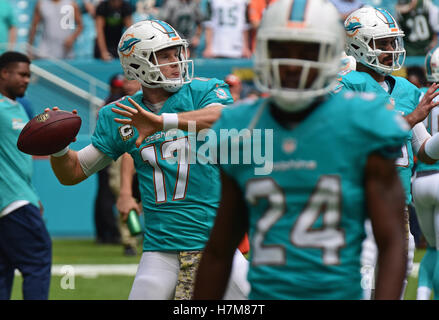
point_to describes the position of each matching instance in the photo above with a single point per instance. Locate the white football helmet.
(305, 21)
(137, 52)
(366, 25)
(432, 65)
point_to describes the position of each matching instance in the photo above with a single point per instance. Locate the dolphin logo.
(128, 44)
(352, 26)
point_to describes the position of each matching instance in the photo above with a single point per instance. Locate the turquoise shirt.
(306, 214)
(7, 21)
(15, 166)
(180, 196)
(405, 97)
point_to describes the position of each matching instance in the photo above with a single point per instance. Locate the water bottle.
(133, 223)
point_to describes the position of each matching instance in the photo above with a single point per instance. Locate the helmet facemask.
(375, 50)
(294, 81)
(149, 73)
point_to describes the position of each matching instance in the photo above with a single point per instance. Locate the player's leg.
(426, 273)
(189, 262)
(30, 251)
(238, 287)
(156, 276)
(410, 256)
(6, 269)
(436, 267)
(426, 201)
(368, 261)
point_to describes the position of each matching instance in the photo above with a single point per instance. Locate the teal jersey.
(8, 20)
(432, 125)
(307, 209)
(15, 166)
(179, 198)
(405, 97)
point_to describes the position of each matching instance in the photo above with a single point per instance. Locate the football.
(49, 132)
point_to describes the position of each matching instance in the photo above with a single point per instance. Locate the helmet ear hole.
(135, 66)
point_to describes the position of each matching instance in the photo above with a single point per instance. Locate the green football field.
(90, 271)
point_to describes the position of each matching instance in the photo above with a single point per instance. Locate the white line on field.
(93, 270)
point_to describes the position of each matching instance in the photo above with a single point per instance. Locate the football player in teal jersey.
(179, 198)
(306, 218)
(426, 196)
(332, 166)
(374, 39)
(25, 243)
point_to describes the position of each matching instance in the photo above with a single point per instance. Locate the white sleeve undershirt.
(92, 160)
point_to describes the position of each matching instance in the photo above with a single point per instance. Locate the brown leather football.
(49, 132)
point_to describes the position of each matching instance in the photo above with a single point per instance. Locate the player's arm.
(100, 37)
(231, 223)
(385, 204)
(148, 123)
(424, 107)
(125, 200)
(36, 19)
(425, 146)
(71, 167)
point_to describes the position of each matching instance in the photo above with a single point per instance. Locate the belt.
(426, 173)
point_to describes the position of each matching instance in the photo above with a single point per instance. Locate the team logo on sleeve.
(221, 93)
(126, 132)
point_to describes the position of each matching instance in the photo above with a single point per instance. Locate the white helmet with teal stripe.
(137, 52)
(432, 65)
(312, 24)
(363, 28)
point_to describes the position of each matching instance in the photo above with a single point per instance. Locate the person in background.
(129, 242)
(426, 196)
(25, 243)
(106, 223)
(187, 18)
(226, 29)
(112, 17)
(8, 26)
(255, 10)
(416, 75)
(61, 25)
(418, 20)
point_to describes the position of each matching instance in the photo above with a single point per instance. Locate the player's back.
(307, 213)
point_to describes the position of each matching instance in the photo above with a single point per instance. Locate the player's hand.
(56, 109)
(125, 203)
(424, 107)
(145, 122)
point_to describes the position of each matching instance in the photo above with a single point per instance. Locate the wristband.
(61, 152)
(432, 147)
(170, 121)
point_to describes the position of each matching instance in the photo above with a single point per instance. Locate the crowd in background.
(214, 28)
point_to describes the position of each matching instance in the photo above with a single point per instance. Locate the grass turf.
(112, 287)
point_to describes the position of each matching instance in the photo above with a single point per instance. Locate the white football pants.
(157, 275)
(369, 257)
